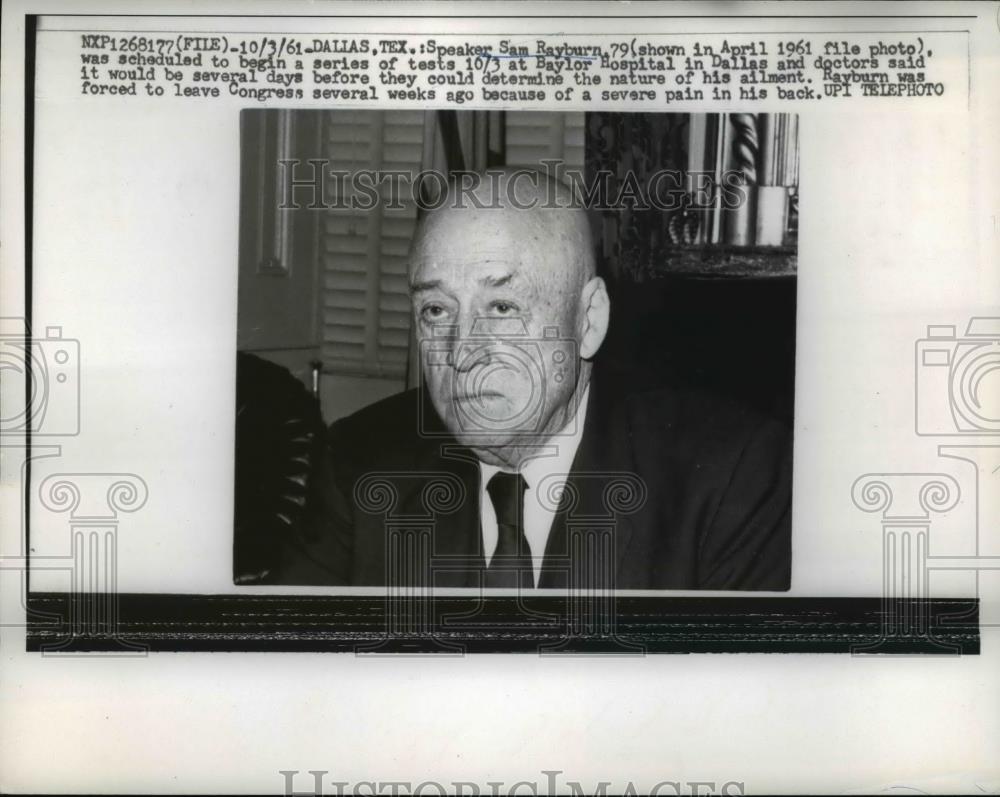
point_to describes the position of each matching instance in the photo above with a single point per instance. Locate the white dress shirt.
(555, 460)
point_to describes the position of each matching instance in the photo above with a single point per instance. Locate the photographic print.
(560, 346)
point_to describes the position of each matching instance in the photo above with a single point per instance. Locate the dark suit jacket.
(668, 490)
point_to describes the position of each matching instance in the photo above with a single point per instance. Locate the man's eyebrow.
(497, 282)
(424, 285)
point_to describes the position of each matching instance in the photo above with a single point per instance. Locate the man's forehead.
(474, 266)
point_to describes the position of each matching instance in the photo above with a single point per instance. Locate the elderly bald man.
(513, 466)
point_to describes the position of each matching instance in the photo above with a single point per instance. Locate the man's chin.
(497, 449)
(493, 453)
(485, 441)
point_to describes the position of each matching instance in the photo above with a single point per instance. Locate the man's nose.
(470, 359)
(470, 347)
(467, 354)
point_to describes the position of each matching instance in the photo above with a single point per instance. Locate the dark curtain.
(628, 149)
(728, 335)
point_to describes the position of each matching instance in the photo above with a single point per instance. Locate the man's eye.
(504, 308)
(432, 312)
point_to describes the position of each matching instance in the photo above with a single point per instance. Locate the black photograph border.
(622, 625)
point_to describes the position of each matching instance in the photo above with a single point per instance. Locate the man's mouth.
(479, 396)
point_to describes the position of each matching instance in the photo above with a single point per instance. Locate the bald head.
(526, 218)
(505, 266)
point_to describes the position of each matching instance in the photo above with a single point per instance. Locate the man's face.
(496, 309)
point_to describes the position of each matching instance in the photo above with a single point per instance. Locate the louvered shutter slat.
(366, 305)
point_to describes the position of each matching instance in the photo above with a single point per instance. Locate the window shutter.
(366, 316)
(536, 136)
(365, 303)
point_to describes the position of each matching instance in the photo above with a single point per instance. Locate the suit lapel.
(451, 472)
(601, 460)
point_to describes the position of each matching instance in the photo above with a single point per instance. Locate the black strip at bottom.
(139, 623)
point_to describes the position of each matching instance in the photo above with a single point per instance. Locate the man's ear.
(595, 312)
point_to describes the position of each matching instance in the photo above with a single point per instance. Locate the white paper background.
(135, 256)
(145, 196)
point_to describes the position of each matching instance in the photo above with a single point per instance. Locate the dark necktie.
(511, 563)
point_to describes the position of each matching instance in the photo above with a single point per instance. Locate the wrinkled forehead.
(475, 266)
(464, 244)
